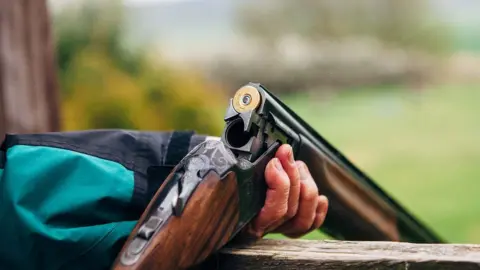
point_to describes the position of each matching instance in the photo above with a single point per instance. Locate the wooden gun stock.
(206, 224)
(203, 203)
(355, 212)
(379, 219)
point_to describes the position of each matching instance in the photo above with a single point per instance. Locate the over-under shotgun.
(219, 187)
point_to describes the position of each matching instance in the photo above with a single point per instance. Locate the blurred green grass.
(422, 147)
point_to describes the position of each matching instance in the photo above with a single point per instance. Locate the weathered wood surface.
(303, 254)
(28, 82)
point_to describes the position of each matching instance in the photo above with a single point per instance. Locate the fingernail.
(290, 156)
(278, 165)
(259, 233)
(303, 171)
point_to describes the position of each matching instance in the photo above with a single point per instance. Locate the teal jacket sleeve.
(69, 200)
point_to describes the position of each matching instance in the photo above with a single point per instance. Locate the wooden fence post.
(29, 95)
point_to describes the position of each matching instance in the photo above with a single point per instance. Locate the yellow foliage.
(102, 95)
(106, 86)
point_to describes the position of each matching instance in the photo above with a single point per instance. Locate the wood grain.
(206, 224)
(355, 212)
(309, 254)
(29, 95)
(364, 202)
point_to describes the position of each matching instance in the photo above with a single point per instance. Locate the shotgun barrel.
(219, 187)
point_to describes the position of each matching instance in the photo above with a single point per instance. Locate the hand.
(293, 206)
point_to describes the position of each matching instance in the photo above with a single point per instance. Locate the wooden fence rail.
(306, 255)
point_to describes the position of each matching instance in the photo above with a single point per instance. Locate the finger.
(276, 202)
(321, 213)
(303, 221)
(285, 156)
(322, 210)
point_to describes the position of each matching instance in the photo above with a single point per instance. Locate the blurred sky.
(189, 29)
(143, 2)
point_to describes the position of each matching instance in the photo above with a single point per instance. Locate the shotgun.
(219, 187)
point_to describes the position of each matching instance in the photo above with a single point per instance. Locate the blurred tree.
(106, 85)
(331, 45)
(408, 24)
(28, 81)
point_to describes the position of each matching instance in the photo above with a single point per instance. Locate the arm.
(70, 199)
